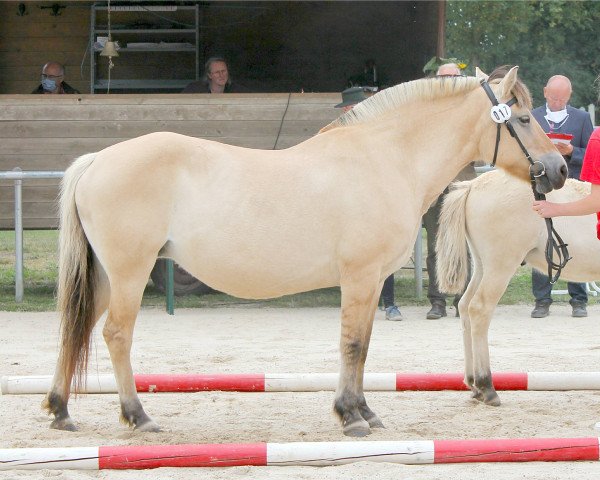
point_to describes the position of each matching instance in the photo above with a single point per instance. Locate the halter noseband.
(501, 114)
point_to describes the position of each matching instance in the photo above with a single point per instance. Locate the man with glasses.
(53, 75)
(557, 116)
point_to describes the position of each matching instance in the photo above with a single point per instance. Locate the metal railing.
(18, 176)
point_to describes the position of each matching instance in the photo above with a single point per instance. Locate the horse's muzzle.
(556, 173)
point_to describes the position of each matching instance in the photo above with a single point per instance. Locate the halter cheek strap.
(501, 114)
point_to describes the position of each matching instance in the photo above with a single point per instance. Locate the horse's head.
(514, 139)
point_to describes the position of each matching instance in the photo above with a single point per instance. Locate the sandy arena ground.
(253, 340)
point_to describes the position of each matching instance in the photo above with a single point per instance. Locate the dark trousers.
(387, 292)
(431, 224)
(540, 285)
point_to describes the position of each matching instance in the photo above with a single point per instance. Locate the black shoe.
(579, 310)
(437, 311)
(540, 310)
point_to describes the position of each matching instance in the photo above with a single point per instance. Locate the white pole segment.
(340, 453)
(76, 458)
(563, 381)
(105, 383)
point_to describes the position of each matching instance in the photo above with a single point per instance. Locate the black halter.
(501, 115)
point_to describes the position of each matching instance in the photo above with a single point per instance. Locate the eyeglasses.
(558, 100)
(45, 75)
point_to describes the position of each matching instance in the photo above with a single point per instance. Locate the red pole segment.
(253, 382)
(516, 450)
(455, 381)
(208, 455)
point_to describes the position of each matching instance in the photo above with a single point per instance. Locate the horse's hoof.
(492, 400)
(357, 429)
(374, 422)
(64, 424)
(149, 426)
(477, 395)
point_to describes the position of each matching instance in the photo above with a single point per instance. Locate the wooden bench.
(46, 132)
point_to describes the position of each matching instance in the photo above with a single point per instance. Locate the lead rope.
(554, 243)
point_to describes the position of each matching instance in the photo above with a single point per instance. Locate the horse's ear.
(480, 75)
(508, 82)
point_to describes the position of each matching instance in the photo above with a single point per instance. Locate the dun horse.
(493, 213)
(342, 208)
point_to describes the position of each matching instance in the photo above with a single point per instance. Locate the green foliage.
(544, 38)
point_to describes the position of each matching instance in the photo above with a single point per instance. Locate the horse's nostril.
(564, 170)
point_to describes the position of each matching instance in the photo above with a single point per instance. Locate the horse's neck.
(435, 146)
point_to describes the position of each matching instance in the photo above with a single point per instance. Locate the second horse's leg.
(481, 309)
(463, 307)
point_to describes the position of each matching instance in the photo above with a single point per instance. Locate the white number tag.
(500, 113)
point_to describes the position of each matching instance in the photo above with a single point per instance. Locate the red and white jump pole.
(302, 453)
(310, 382)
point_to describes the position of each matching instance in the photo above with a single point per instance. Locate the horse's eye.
(524, 119)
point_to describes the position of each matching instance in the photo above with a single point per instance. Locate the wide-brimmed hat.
(352, 96)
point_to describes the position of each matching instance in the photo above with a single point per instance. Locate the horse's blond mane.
(390, 98)
(423, 89)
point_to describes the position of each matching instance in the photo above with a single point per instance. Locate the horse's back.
(502, 224)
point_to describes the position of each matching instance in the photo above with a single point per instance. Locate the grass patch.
(41, 269)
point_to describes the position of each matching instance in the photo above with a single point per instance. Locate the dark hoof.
(370, 416)
(492, 398)
(359, 428)
(148, 427)
(375, 422)
(64, 424)
(476, 394)
(372, 419)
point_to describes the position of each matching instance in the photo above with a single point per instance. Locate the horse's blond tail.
(451, 243)
(76, 278)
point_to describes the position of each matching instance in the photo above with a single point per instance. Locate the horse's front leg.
(360, 292)
(480, 313)
(118, 334)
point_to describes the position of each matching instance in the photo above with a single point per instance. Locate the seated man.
(216, 79)
(53, 75)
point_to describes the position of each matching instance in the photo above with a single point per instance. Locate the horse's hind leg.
(359, 300)
(125, 300)
(463, 307)
(58, 397)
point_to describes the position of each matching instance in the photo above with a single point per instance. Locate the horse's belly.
(256, 275)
